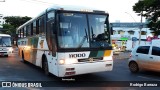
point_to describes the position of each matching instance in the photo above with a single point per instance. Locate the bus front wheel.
(45, 67)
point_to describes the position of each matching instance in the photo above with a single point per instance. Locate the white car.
(145, 58)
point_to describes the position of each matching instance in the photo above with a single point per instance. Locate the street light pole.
(141, 26)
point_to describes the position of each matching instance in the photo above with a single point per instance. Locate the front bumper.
(84, 68)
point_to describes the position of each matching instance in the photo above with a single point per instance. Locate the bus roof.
(5, 35)
(66, 8)
(72, 8)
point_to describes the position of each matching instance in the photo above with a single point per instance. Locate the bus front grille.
(3, 52)
(93, 59)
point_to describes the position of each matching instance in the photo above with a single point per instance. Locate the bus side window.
(25, 32)
(34, 28)
(31, 29)
(49, 32)
(22, 32)
(37, 26)
(19, 33)
(18, 43)
(28, 30)
(41, 27)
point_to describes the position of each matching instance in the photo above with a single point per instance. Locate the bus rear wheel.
(23, 60)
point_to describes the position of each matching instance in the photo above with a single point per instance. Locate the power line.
(37, 1)
(130, 16)
(41, 1)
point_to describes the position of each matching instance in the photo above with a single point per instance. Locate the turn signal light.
(130, 55)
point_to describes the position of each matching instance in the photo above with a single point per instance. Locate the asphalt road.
(12, 69)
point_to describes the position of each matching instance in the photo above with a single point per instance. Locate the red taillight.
(130, 55)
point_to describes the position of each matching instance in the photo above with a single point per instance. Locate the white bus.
(5, 45)
(66, 41)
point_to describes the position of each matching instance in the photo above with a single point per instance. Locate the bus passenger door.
(51, 40)
(51, 37)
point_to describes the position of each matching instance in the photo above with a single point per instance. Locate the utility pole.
(141, 26)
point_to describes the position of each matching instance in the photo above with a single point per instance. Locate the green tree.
(12, 23)
(151, 10)
(16, 21)
(8, 29)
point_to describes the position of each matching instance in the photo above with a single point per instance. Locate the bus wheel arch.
(45, 65)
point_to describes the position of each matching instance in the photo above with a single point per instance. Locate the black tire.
(45, 67)
(133, 67)
(23, 60)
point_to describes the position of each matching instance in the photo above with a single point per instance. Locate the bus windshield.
(5, 41)
(79, 30)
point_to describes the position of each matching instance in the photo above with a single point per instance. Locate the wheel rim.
(133, 67)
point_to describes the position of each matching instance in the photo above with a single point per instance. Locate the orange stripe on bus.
(107, 52)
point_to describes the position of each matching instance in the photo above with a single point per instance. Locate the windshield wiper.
(4, 44)
(92, 32)
(86, 34)
(83, 40)
(93, 35)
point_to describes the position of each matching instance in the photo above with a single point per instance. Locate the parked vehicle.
(145, 58)
(5, 45)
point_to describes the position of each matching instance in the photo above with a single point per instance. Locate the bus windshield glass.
(5, 41)
(81, 30)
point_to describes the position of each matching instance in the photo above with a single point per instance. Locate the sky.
(119, 10)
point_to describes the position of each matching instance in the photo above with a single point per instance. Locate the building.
(127, 34)
(2, 21)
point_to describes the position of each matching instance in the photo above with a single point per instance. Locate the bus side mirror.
(54, 45)
(53, 27)
(111, 29)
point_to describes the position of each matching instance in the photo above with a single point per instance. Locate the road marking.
(149, 78)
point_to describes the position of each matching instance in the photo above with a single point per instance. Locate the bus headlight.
(62, 61)
(67, 61)
(10, 49)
